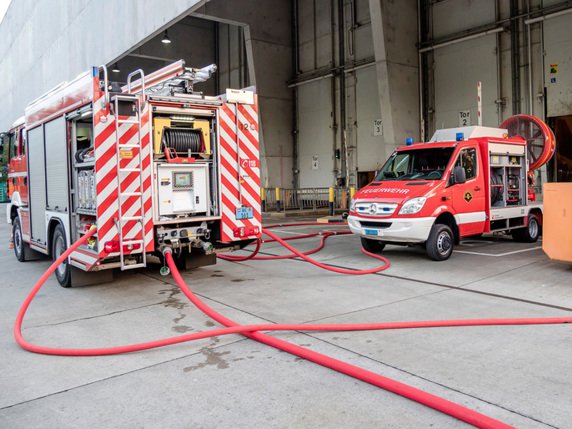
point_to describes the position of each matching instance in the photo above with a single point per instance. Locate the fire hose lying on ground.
(254, 331)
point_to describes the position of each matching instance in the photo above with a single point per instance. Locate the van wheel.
(19, 245)
(530, 233)
(59, 246)
(439, 245)
(372, 246)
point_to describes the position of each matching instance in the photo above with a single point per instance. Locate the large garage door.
(316, 134)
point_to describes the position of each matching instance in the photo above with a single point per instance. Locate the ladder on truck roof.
(129, 103)
(170, 80)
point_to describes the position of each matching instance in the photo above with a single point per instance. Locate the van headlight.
(414, 205)
(352, 205)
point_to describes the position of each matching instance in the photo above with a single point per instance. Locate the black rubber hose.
(182, 140)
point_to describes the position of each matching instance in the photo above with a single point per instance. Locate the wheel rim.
(18, 241)
(444, 243)
(532, 228)
(59, 248)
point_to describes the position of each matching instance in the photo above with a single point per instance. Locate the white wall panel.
(558, 48)
(452, 16)
(315, 44)
(370, 149)
(315, 133)
(457, 69)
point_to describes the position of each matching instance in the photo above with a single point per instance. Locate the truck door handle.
(477, 188)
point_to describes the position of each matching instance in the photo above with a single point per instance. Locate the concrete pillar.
(394, 29)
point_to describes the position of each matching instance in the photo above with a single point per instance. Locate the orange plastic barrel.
(557, 221)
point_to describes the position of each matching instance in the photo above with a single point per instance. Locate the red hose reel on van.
(540, 143)
(540, 140)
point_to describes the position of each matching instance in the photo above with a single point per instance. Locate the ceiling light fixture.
(166, 39)
(115, 68)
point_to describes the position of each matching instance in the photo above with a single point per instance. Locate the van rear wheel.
(439, 245)
(372, 246)
(530, 233)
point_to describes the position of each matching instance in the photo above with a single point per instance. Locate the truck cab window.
(419, 164)
(22, 142)
(13, 146)
(468, 160)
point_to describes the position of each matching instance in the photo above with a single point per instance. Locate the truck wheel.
(439, 245)
(530, 233)
(372, 246)
(19, 245)
(59, 246)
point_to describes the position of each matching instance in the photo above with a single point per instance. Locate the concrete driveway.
(519, 375)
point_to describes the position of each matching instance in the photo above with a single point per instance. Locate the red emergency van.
(463, 182)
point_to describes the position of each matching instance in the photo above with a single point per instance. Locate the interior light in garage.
(115, 68)
(166, 38)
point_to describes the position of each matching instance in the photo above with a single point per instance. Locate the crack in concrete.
(92, 317)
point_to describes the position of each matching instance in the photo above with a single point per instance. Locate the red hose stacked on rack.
(251, 331)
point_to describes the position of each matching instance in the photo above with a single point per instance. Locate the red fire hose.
(252, 331)
(304, 255)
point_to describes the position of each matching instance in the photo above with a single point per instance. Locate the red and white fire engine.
(463, 182)
(150, 164)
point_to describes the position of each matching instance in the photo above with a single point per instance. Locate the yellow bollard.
(278, 205)
(331, 198)
(263, 199)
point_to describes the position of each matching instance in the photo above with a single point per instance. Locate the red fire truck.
(464, 182)
(150, 164)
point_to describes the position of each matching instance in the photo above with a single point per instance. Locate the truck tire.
(439, 245)
(530, 233)
(19, 245)
(372, 246)
(59, 246)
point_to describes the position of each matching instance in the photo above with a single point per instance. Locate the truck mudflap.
(406, 230)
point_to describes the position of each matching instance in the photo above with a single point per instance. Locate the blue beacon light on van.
(460, 137)
(409, 141)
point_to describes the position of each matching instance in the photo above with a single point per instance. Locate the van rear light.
(113, 247)
(246, 231)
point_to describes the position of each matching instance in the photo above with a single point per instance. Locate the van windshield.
(419, 164)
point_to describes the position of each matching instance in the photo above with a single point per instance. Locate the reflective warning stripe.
(239, 185)
(470, 217)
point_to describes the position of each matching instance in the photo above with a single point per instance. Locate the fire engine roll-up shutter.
(56, 165)
(37, 185)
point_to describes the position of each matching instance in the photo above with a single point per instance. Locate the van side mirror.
(459, 175)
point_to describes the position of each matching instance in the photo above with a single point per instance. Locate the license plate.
(244, 213)
(371, 232)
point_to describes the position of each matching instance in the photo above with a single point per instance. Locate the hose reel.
(183, 140)
(540, 141)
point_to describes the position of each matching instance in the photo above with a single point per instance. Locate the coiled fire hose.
(253, 331)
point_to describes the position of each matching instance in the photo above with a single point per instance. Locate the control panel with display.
(182, 190)
(182, 180)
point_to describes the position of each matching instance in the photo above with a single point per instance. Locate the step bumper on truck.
(401, 230)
